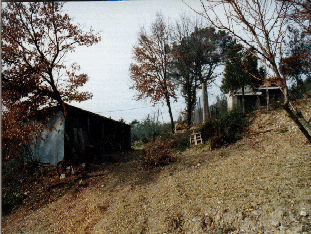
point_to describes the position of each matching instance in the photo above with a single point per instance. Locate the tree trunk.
(189, 101)
(267, 97)
(170, 112)
(206, 115)
(243, 99)
(191, 106)
(295, 115)
(189, 112)
(297, 122)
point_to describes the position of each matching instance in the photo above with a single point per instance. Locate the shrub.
(217, 141)
(179, 141)
(158, 153)
(145, 140)
(275, 106)
(225, 129)
(282, 130)
(15, 183)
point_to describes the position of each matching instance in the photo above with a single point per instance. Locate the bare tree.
(300, 13)
(260, 25)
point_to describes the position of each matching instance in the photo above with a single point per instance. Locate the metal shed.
(82, 134)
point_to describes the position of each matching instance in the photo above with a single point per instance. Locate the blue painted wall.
(51, 148)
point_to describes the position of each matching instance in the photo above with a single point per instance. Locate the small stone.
(292, 218)
(82, 182)
(303, 213)
(275, 223)
(255, 212)
(298, 229)
(199, 164)
(282, 228)
(217, 218)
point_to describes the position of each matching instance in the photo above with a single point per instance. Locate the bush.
(225, 129)
(158, 153)
(15, 183)
(179, 141)
(218, 141)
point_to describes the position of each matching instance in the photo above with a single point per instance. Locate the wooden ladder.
(195, 139)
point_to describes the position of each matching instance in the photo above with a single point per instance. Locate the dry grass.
(260, 184)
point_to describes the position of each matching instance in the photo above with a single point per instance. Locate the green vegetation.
(301, 88)
(241, 71)
(225, 129)
(147, 130)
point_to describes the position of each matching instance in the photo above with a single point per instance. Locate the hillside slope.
(260, 184)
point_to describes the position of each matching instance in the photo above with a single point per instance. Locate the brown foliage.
(158, 153)
(15, 133)
(150, 72)
(35, 39)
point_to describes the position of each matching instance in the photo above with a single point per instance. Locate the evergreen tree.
(184, 54)
(195, 59)
(241, 70)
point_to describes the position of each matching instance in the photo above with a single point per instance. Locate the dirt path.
(261, 184)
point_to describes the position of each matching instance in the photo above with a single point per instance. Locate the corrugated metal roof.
(89, 112)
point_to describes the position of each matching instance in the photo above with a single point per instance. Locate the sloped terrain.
(260, 184)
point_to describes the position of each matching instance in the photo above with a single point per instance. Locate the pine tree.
(241, 70)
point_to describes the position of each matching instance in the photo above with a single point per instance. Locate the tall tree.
(298, 58)
(220, 107)
(198, 55)
(35, 40)
(241, 70)
(183, 66)
(151, 71)
(183, 59)
(297, 62)
(210, 50)
(258, 24)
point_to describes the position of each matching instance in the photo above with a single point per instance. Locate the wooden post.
(267, 94)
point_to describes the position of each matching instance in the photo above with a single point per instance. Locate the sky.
(107, 63)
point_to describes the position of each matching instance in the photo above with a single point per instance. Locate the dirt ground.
(260, 184)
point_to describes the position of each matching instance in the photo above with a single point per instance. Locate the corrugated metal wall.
(51, 148)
